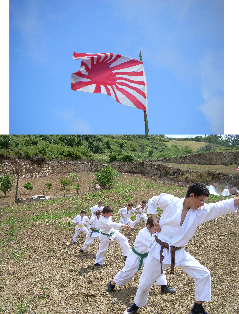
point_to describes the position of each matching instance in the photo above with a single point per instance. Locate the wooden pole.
(145, 113)
(18, 174)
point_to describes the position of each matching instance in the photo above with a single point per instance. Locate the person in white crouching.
(80, 221)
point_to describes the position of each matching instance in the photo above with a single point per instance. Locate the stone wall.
(157, 170)
(210, 158)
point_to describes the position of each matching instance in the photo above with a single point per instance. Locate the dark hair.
(130, 204)
(198, 189)
(144, 202)
(100, 202)
(83, 211)
(107, 209)
(98, 212)
(150, 222)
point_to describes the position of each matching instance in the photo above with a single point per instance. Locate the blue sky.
(182, 45)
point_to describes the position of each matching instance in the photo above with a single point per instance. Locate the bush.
(65, 182)
(6, 183)
(106, 176)
(48, 186)
(28, 186)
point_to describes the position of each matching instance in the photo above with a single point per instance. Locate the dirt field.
(41, 272)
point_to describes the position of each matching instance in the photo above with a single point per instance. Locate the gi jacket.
(172, 232)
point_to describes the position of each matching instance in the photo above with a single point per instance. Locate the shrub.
(6, 183)
(106, 176)
(48, 186)
(65, 182)
(28, 186)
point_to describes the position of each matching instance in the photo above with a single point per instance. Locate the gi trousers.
(131, 268)
(152, 271)
(104, 243)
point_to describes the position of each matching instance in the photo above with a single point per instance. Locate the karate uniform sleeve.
(214, 210)
(160, 201)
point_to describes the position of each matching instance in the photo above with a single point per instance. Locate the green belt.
(141, 255)
(107, 234)
(94, 230)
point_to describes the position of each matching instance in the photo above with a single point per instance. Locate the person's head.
(98, 213)
(197, 193)
(144, 203)
(100, 203)
(82, 213)
(107, 211)
(150, 225)
(130, 206)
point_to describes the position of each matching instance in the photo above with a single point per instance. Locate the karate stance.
(108, 233)
(136, 258)
(140, 209)
(179, 221)
(94, 231)
(125, 213)
(80, 221)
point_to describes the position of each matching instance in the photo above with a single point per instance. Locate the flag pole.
(145, 113)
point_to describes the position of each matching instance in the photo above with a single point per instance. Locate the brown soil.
(41, 272)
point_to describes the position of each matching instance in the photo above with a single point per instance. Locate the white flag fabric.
(117, 76)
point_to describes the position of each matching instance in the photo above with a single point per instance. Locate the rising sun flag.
(117, 76)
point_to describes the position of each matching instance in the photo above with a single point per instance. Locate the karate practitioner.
(136, 258)
(80, 221)
(140, 209)
(94, 231)
(125, 213)
(179, 221)
(108, 233)
(96, 207)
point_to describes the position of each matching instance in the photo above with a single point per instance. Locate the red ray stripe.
(85, 65)
(139, 91)
(130, 81)
(132, 98)
(97, 88)
(140, 73)
(126, 64)
(78, 85)
(116, 98)
(107, 90)
(114, 59)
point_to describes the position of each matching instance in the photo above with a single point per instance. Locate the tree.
(6, 183)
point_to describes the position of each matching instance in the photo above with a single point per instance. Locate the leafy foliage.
(6, 183)
(28, 186)
(106, 176)
(109, 148)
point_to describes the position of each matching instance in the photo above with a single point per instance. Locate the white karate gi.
(93, 232)
(125, 216)
(141, 244)
(141, 214)
(176, 235)
(80, 226)
(95, 208)
(107, 234)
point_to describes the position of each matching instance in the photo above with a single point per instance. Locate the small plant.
(28, 186)
(106, 176)
(65, 182)
(48, 186)
(73, 176)
(6, 183)
(77, 187)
